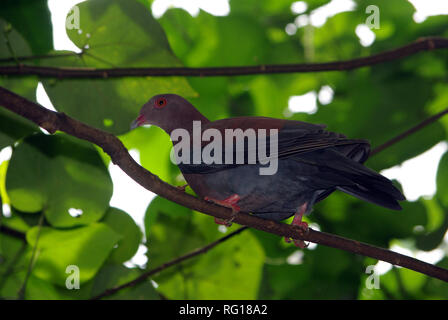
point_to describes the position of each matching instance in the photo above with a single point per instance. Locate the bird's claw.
(298, 243)
(231, 203)
(224, 222)
(182, 188)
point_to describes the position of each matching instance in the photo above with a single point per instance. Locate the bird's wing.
(293, 138)
(331, 169)
(293, 141)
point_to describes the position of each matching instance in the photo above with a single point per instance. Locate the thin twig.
(11, 267)
(12, 232)
(168, 264)
(21, 292)
(41, 57)
(53, 121)
(409, 132)
(423, 44)
(6, 32)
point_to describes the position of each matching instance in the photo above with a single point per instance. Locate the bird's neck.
(186, 122)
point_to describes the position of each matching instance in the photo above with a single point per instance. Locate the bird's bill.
(138, 122)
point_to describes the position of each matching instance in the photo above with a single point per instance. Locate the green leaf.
(59, 174)
(14, 262)
(16, 222)
(124, 225)
(14, 127)
(230, 271)
(197, 45)
(168, 222)
(32, 19)
(12, 251)
(437, 217)
(154, 146)
(435, 288)
(112, 104)
(85, 247)
(36, 289)
(313, 277)
(442, 181)
(210, 275)
(383, 224)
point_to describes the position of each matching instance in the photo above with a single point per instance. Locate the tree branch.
(13, 233)
(42, 57)
(168, 264)
(409, 132)
(52, 121)
(423, 44)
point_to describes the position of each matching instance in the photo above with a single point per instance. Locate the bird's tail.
(386, 197)
(368, 184)
(371, 186)
(362, 182)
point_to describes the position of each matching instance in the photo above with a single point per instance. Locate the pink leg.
(297, 221)
(230, 202)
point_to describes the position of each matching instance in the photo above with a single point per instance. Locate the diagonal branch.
(13, 233)
(409, 132)
(423, 44)
(52, 121)
(41, 57)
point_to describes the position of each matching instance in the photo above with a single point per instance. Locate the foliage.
(55, 176)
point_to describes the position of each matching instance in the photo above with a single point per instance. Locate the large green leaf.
(85, 247)
(154, 146)
(12, 126)
(59, 174)
(323, 273)
(166, 221)
(124, 225)
(112, 104)
(435, 288)
(231, 270)
(32, 19)
(216, 44)
(442, 181)
(36, 288)
(356, 219)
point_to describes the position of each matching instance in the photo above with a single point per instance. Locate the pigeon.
(311, 162)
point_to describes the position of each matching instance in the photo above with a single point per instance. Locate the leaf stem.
(21, 292)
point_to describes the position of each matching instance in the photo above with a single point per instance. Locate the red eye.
(160, 103)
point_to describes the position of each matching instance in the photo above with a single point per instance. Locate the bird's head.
(167, 111)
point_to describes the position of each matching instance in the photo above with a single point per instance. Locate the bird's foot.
(182, 188)
(298, 243)
(230, 202)
(297, 221)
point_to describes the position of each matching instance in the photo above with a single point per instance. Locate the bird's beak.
(138, 122)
